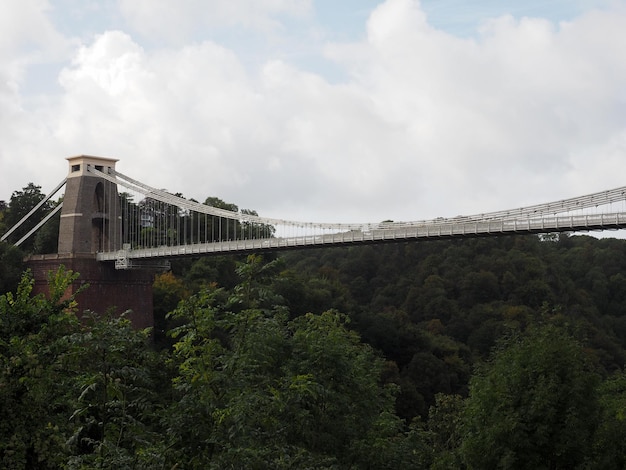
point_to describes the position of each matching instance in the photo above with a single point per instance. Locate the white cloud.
(28, 39)
(26, 28)
(181, 20)
(426, 124)
(504, 112)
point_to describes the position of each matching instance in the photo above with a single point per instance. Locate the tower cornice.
(78, 164)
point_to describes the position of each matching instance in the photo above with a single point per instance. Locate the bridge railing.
(445, 229)
(191, 213)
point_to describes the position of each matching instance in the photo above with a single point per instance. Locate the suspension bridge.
(129, 223)
(117, 232)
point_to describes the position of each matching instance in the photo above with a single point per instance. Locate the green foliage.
(259, 391)
(119, 391)
(20, 204)
(3, 213)
(167, 291)
(533, 405)
(46, 239)
(444, 426)
(219, 269)
(610, 439)
(249, 378)
(11, 267)
(72, 394)
(471, 292)
(34, 396)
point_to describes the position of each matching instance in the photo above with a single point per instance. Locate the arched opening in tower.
(99, 220)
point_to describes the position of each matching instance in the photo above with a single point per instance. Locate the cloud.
(425, 124)
(28, 40)
(183, 19)
(213, 129)
(513, 105)
(26, 28)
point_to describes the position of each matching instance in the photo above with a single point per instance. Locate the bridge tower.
(91, 223)
(91, 213)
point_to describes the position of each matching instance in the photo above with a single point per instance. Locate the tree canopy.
(533, 406)
(482, 353)
(21, 203)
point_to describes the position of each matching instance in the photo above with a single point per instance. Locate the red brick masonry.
(108, 288)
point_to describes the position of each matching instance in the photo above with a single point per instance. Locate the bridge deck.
(447, 228)
(162, 225)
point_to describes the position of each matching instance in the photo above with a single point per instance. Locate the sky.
(348, 111)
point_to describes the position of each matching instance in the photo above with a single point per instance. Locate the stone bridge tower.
(90, 223)
(91, 213)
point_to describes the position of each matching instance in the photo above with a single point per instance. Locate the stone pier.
(91, 222)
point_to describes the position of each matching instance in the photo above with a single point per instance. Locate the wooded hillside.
(478, 353)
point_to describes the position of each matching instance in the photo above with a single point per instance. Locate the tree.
(4, 209)
(167, 291)
(533, 405)
(46, 239)
(444, 426)
(610, 439)
(35, 391)
(254, 229)
(20, 204)
(11, 267)
(219, 228)
(256, 390)
(72, 394)
(120, 387)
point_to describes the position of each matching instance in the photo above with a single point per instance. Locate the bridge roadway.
(458, 227)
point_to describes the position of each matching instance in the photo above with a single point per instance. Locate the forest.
(503, 352)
